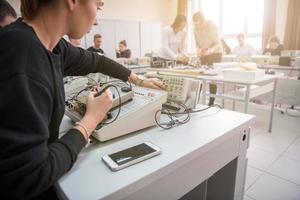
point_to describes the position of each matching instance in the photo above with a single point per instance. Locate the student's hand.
(204, 52)
(183, 59)
(153, 83)
(96, 109)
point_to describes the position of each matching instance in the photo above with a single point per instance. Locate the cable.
(173, 116)
(119, 106)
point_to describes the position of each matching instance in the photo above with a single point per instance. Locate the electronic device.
(290, 53)
(138, 110)
(261, 60)
(157, 62)
(229, 58)
(130, 156)
(285, 61)
(73, 84)
(181, 91)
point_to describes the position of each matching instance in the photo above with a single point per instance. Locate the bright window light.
(232, 17)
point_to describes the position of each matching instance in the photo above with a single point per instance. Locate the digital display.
(131, 153)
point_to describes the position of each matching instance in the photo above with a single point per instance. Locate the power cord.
(175, 116)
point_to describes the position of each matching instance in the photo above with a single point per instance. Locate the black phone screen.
(131, 153)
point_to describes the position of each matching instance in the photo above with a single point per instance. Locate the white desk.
(253, 88)
(212, 143)
(287, 69)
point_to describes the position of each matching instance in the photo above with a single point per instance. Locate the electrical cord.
(175, 119)
(119, 106)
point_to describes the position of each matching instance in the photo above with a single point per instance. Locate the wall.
(281, 14)
(162, 11)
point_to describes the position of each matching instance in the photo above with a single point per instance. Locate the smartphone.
(130, 156)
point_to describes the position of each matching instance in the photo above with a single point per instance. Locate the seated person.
(123, 52)
(174, 41)
(273, 47)
(7, 13)
(97, 44)
(225, 47)
(243, 49)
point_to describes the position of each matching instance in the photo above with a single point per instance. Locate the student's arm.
(166, 51)
(216, 45)
(81, 62)
(28, 164)
(183, 44)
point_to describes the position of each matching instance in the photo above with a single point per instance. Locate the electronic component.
(137, 112)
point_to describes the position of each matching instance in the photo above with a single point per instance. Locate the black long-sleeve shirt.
(124, 54)
(32, 158)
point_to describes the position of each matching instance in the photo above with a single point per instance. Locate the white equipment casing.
(137, 114)
(240, 74)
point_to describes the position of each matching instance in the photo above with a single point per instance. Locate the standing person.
(123, 51)
(174, 41)
(208, 45)
(273, 47)
(7, 13)
(243, 49)
(97, 44)
(32, 157)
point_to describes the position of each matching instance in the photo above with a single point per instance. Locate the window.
(231, 17)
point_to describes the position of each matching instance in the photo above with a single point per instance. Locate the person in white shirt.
(174, 41)
(243, 49)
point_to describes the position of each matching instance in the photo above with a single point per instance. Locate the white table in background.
(205, 158)
(253, 88)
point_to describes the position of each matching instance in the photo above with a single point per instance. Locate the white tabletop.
(90, 178)
(267, 77)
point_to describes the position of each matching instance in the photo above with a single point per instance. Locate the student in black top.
(7, 13)
(123, 52)
(273, 47)
(32, 158)
(97, 44)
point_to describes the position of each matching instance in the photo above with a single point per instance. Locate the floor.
(273, 171)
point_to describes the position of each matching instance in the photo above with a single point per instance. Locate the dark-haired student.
(7, 13)
(32, 157)
(123, 51)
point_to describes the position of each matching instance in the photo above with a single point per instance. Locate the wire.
(289, 114)
(175, 119)
(119, 106)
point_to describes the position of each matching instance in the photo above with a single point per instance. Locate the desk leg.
(247, 99)
(204, 92)
(233, 103)
(223, 91)
(273, 106)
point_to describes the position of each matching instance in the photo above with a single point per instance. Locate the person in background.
(97, 44)
(123, 51)
(7, 13)
(225, 47)
(174, 40)
(32, 156)
(208, 44)
(273, 47)
(243, 49)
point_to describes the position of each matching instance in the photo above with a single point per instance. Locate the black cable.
(174, 121)
(119, 106)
